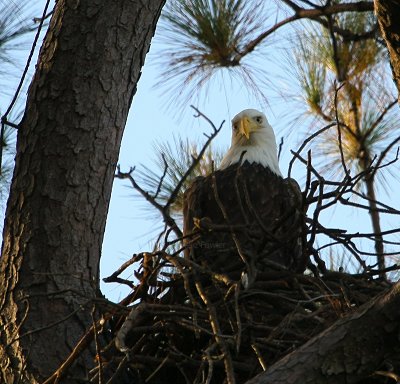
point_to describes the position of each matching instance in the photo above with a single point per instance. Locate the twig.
(162, 177)
(280, 148)
(157, 369)
(78, 349)
(112, 278)
(339, 132)
(28, 62)
(162, 209)
(230, 376)
(305, 142)
(197, 159)
(98, 350)
(384, 153)
(259, 356)
(4, 118)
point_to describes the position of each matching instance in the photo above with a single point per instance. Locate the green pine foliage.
(204, 38)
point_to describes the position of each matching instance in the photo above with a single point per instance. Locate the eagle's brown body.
(244, 218)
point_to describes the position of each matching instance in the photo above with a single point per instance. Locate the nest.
(188, 325)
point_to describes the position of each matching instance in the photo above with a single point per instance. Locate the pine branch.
(303, 13)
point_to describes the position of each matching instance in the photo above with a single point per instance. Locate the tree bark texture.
(353, 350)
(67, 149)
(388, 13)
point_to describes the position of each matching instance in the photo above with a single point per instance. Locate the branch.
(162, 177)
(380, 117)
(218, 336)
(305, 142)
(28, 62)
(384, 153)
(162, 209)
(337, 89)
(197, 159)
(303, 13)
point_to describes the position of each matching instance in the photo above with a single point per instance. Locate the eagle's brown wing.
(243, 217)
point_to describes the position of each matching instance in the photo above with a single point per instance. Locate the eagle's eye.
(235, 126)
(259, 119)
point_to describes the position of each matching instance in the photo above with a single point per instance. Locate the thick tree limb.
(352, 349)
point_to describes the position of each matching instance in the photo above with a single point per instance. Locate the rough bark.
(67, 149)
(388, 13)
(350, 351)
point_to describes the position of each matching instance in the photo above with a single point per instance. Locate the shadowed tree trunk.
(388, 13)
(67, 149)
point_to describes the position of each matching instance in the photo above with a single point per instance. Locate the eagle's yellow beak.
(245, 126)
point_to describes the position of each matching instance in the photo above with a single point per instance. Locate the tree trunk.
(376, 225)
(352, 350)
(369, 181)
(388, 13)
(67, 149)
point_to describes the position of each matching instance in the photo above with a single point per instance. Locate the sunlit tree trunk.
(388, 13)
(67, 149)
(365, 161)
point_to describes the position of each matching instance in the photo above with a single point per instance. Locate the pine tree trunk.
(376, 225)
(388, 13)
(67, 149)
(369, 181)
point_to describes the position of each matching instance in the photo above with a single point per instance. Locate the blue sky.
(129, 229)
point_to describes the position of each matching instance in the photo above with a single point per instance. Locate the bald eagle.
(245, 217)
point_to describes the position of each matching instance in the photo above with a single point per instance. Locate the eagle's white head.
(252, 133)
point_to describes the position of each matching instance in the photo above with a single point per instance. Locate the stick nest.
(183, 324)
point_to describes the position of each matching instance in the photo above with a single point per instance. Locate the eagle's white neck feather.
(260, 149)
